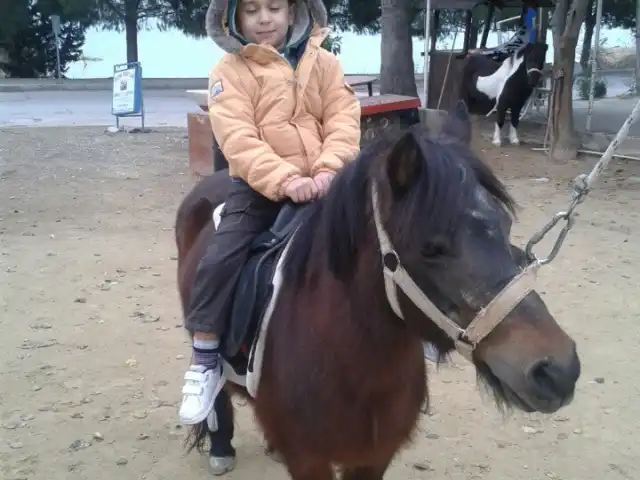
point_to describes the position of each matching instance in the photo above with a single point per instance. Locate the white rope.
(588, 181)
(446, 73)
(581, 187)
(548, 134)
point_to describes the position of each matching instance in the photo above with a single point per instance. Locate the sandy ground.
(92, 352)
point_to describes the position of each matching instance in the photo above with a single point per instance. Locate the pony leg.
(513, 128)
(497, 131)
(301, 467)
(365, 473)
(513, 135)
(500, 114)
(273, 454)
(222, 455)
(310, 472)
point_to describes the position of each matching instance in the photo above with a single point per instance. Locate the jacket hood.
(308, 14)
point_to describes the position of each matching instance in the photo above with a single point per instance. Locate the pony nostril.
(548, 379)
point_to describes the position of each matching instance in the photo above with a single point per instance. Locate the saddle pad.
(217, 215)
(252, 379)
(257, 353)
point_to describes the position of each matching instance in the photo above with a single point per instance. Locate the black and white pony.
(489, 86)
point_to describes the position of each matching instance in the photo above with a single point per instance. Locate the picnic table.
(201, 96)
(359, 80)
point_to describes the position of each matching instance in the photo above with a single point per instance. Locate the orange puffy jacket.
(274, 123)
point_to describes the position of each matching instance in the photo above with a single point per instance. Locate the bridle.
(485, 321)
(536, 70)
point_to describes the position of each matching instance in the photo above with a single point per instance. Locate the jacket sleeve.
(340, 120)
(232, 120)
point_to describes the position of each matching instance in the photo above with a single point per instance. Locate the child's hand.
(322, 182)
(301, 190)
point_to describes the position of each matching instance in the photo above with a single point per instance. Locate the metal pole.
(427, 59)
(141, 96)
(593, 63)
(58, 58)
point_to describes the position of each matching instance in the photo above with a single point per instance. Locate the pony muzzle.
(534, 75)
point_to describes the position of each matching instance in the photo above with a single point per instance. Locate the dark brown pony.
(343, 377)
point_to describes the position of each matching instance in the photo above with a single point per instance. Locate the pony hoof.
(274, 455)
(497, 143)
(515, 141)
(221, 465)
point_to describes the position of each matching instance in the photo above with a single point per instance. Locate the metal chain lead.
(567, 216)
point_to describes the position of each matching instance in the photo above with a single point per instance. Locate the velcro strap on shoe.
(191, 389)
(194, 376)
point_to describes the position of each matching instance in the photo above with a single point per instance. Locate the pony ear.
(404, 163)
(458, 124)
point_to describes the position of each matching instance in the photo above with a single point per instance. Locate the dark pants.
(245, 215)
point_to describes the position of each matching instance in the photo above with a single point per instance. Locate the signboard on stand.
(127, 98)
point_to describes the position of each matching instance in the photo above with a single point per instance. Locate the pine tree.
(30, 48)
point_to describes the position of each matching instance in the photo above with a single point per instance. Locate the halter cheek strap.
(485, 321)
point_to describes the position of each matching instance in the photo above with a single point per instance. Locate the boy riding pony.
(286, 122)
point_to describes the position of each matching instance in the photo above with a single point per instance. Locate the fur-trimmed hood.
(309, 13)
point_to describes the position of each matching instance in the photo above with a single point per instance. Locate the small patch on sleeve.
(216, 89)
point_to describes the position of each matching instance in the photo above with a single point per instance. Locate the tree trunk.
(131, 29)
(473, 36)
(544, 29)
(397, 75)
(564, 141)
(4, 57)
(586, 45)
(589, 25)
(567, 20)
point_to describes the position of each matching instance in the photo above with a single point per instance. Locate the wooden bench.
(385, 112)
(378, 113)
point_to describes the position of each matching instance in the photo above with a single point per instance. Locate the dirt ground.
(92, 352)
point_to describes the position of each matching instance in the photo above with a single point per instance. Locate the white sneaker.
(220, 465)
(201, 387)
(431, 353)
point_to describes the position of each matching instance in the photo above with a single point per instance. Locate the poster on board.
(127, 90)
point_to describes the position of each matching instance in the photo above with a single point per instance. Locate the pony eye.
(435, 249)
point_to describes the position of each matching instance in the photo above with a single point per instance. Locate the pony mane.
(338, 224)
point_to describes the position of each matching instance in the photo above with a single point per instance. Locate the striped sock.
(206, 352)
